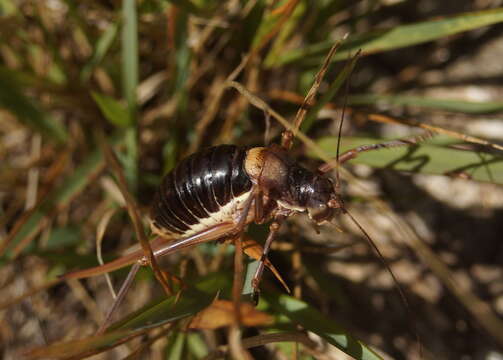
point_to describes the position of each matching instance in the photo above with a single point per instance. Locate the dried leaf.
(221, 313)
(254, 250)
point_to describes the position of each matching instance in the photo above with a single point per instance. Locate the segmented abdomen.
(202, 190)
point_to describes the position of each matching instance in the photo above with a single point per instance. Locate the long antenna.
(353, 153)
(337, 176)
(383, 261)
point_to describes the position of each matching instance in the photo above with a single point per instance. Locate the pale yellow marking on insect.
(254, 162)
(226, 213)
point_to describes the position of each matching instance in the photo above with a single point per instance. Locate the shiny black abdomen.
(199, 186)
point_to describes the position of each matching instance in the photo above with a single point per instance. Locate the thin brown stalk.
(210, 113)
(437, 129)
(261, 104)
(100, 232)
(134, 215)
(381, 118)
(237, 107)
(234, 338)
(235, 341)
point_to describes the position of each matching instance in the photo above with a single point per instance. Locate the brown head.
(292, 186)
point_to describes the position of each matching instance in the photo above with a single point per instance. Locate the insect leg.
(160, 248)
(259, 208)
(120, 296)
(273, 231)
(213, 233)
(242, 219)
(288, 135)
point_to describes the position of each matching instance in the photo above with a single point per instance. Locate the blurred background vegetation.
(151, 75)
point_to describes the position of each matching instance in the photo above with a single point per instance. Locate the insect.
(222, 189)
(213, 194)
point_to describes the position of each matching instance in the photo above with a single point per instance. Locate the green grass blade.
(328, 96)
(182, 57)
(311, 319)
(161, 312)
(268, 23)
(397, 37)
(175, 345)
(424, 159)
(76, 347)
(129, 54)
(189, 303)
(27, 110)
(155, 314)
(196, 345)
(113, 110)
(130, 83)
(8, 8)
(467, 107)
(103, 44)
(62, 237)
(287, 29)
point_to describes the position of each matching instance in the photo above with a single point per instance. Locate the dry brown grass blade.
(468, 138)
(236, 348)
(50, 178)
(216, 98)
(218, 87)
(73, 350)
(211, 109)
(221, 313)
(132, 209)
(236, 108)
(386, 119)
(261, 104)
(286, 10)
(100, 232)
(353, 153)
